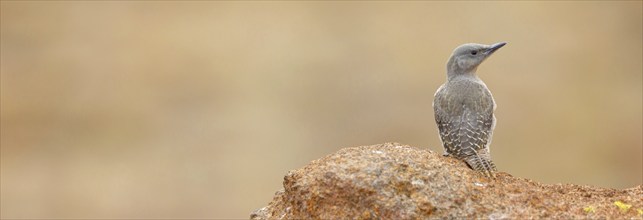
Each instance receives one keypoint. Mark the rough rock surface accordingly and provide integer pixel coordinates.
(395, 181)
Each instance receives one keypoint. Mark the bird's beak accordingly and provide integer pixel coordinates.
(494, 47)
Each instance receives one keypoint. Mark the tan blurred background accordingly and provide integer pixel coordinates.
(198, 109)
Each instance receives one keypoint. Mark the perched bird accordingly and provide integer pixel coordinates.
(464, 108)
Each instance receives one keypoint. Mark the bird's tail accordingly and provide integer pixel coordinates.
(482, 164)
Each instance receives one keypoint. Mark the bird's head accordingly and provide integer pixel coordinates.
(466, 58)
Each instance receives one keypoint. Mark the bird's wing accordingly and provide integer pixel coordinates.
(465, 121)
(443, 109)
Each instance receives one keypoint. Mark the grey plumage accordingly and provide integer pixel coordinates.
(464, 108)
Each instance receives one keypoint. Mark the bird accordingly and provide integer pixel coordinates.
(464, 108)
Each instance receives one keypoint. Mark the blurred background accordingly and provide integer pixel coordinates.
(198, 109)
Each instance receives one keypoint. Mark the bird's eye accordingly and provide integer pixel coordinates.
(474, 52)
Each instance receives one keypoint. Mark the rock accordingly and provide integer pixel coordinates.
(395, 181)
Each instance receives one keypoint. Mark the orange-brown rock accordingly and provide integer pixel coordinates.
(395, 181)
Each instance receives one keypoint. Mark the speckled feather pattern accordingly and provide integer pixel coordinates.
(464, 114)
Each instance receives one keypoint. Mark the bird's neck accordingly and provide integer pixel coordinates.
(455, 71)
(452, 75)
